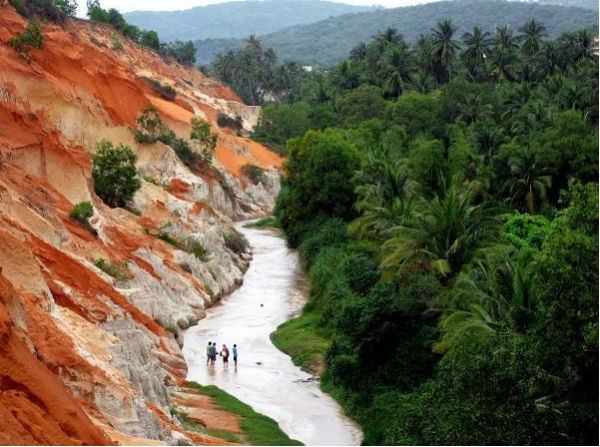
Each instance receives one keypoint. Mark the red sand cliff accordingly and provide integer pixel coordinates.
(62, 320)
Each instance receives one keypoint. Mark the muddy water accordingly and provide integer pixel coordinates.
(266, 378)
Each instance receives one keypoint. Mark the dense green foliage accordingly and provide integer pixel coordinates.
(117, 270)
(82, 211)
(52, 10)
(151, 129)
(328, 42)
(258, 429)
(447, 214)
(253, 72)
(114, 173)
(237, 18)
(27, 40)
(183, 52)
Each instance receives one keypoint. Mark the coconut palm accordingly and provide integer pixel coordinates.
(550, 60)
(359, 52)
(477, 46)
(531, 35)
(504, 40)
(443, 235)
(444, 50)
(494, 291)
(500, 65)
(424, 51)
(397, 69)
(383, 194)
(528, 187)
(473, 108)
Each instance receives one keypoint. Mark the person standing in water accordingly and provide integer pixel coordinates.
(225, 355)
(235, 354)
(208, 353)
(213, 353)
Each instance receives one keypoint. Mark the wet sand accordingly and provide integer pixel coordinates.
(266, 378)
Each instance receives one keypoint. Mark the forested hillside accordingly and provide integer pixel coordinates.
(444, 199)
(237, 19)
(329, 41)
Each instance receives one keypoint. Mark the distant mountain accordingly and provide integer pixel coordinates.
(330, 40)
(586, 4)
(237, 19)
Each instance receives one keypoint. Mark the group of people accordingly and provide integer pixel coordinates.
(212, 352)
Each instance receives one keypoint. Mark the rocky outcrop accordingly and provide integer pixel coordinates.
(86, 357)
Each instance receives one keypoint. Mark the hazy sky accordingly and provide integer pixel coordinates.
(161, 5)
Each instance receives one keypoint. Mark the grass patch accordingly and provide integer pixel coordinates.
(258, 429)
(267, 222)
(304, 340)
(117, 270)
(190, 425)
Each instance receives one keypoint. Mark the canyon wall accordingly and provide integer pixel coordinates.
(86, 357)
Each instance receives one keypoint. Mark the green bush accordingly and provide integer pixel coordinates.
(114, 173)
(317, 181)
(82, 211)
(114, 269)
(52, 10)
(236, 242)
(68, 7)
(150, 126)
(28, 40)
(182, 52)
(166, 91)
(116, 42)
(202, 135)
(224, 120)
(196, 248)
(255, 173)
(20, 7)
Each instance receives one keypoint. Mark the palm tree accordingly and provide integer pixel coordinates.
(359, 52)
(444, 50)
(477, 46)
(550, 61)
(500, 65)
(424, 51)
(383, 195)
(495, 291)
(443, 235)
(530, 181)
(346, 76)
(422, 83)
(387, 36)
(397, 69)
(532, 34)
(488, 138)
(473, 108)
(585, 45)
(504, 40)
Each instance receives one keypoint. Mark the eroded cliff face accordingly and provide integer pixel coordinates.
(86, 358)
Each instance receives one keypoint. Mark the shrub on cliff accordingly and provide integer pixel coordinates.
(115, 177)
(29, 39)
(205, 139)
(236, 242)
(150, 127)
(53, 10)
(82, 211)
(182, 52)
(166, 91)
(255, 173)
(224, 120)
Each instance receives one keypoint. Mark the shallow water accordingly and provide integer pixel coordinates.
(266, 378)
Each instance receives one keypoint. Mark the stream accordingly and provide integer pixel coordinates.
(265, 378)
